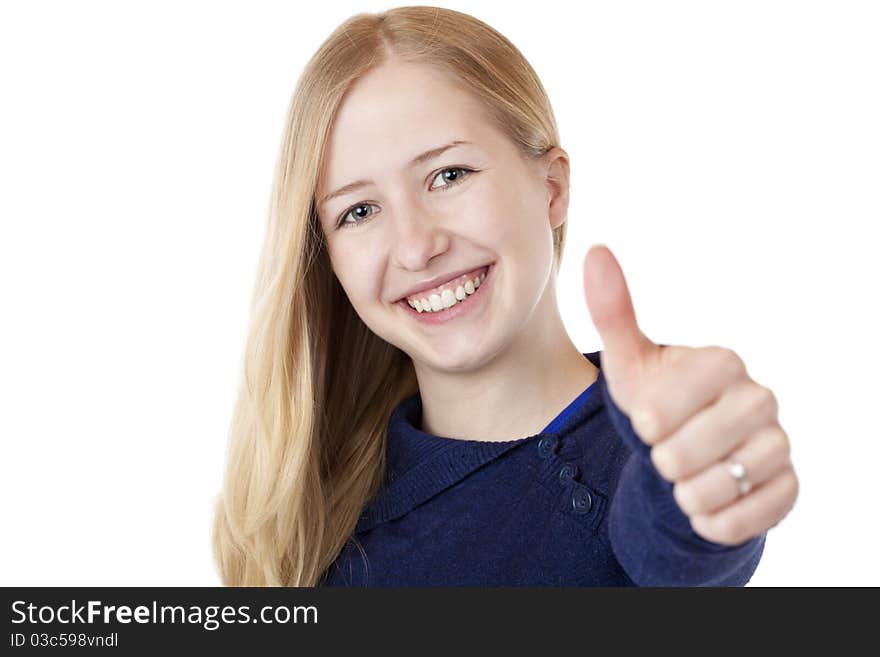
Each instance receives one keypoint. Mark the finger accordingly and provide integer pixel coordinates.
(611, 309)
(682, 388)
(716, 430)
(763, 456)
(752, 514)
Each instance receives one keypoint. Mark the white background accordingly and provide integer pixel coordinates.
(727, 152)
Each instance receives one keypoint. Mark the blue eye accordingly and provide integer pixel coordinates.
(461, 174)
(342, 223)
(449, 183)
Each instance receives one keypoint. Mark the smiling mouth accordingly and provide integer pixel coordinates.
(457, 288)
(440, 308)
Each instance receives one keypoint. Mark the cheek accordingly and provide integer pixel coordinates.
(494, 213)
(511, 212)
(359, 276)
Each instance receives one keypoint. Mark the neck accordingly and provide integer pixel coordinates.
(514, 394)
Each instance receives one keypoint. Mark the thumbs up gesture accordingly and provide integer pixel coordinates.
(713, 431)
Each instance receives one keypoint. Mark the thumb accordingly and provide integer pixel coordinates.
(611, 308)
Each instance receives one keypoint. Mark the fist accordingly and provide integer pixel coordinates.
(713, 431)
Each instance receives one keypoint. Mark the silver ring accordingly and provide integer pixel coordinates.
(738, 471)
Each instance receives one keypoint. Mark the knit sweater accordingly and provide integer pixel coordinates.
(579, 504)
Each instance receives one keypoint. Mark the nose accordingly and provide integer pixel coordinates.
(417, 236)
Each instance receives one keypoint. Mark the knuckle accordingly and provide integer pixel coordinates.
(785, 493)
(668, 461)
(645, 420)
(689, 499)
(779, 442)
(767, 399)
(789, 490)
(729, 360)
(792, 484)
(731, 528)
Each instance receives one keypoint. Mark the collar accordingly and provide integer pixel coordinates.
(420, 464)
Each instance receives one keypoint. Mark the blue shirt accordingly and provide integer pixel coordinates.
(579, 504)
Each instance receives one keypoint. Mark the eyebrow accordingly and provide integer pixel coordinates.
(419, 159)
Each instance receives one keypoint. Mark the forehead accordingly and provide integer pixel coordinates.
(395, 112)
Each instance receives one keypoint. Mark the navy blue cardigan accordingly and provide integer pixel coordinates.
(579, 504)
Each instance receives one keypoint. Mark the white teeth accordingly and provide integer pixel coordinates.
(448, 298)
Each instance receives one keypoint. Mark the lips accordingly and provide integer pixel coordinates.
(471, 306)
(438, 282)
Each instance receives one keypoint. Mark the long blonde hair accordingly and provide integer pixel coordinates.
(307, 437)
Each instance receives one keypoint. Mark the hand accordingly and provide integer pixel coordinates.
(696, 407)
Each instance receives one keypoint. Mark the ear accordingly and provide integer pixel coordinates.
(555, 169)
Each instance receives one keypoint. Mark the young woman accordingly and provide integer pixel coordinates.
(412, 410)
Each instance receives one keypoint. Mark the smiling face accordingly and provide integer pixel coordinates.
(475, 203)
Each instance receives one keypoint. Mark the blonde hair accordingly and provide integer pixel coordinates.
(307, 437)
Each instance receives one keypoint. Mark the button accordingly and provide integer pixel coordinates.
(581, 500)
(546, 446)
(567, 473)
